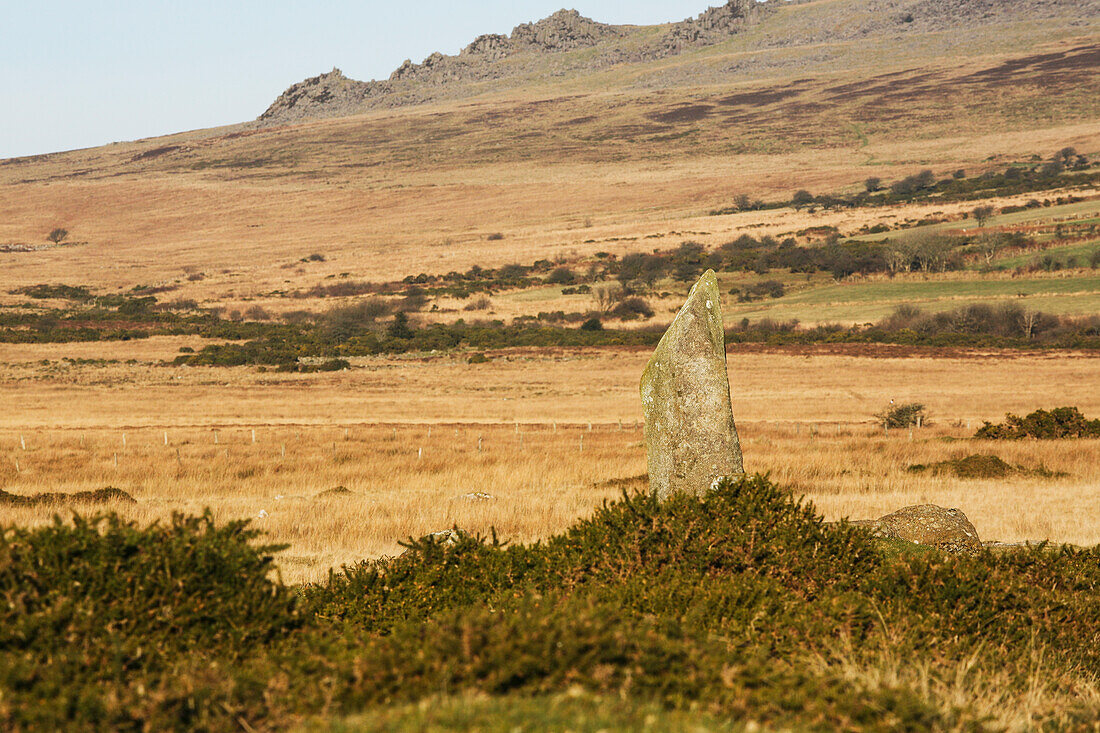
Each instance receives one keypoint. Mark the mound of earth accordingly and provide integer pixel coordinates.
(335, 491)
(98, 496)
(981, 465)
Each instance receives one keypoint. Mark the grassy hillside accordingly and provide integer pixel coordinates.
(620, 159)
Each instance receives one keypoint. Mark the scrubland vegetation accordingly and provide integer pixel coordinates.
(741, 606)
(430, 319)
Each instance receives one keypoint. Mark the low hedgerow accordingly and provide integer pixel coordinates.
(1061, 422)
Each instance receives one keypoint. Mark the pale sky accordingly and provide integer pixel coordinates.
(76, 74)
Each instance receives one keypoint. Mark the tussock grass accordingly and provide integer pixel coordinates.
(804, 416)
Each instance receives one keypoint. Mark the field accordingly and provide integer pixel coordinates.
(558, 434)
(478, 272)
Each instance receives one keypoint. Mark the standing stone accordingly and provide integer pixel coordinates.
(691, 440)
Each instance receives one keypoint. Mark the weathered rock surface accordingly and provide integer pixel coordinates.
(711, 26)
(562, 31)
(927, 524)
(327, 95)
(691, 439)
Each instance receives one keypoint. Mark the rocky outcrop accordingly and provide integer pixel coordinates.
(712, 26)
(491, 57)
(565, 30)
(569, 45)
(489, 47)
(327, 95)
(927, 524)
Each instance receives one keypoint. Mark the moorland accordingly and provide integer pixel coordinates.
(427, 307)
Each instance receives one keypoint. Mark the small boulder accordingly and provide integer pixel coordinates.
(447, 536)
(927, 524)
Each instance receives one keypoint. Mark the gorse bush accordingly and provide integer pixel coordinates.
(1061, 422)
(90, 610)
(903, 416)
(734, 601)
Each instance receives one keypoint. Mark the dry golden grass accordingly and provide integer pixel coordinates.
(803, 416)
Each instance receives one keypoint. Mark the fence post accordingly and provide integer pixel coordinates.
(253, 436)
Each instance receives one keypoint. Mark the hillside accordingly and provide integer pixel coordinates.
(564, 159)
(567, 44)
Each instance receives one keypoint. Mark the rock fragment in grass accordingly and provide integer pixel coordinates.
(927, 524)
(691, 439)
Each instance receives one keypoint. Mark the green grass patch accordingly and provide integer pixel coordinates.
(579, 713)
(1081, 252)
(858, 302)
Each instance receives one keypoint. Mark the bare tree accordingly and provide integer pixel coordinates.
(606, 296)
(932, 252)
(989, 245)
(1030, 320)
(57, 236)
(983, 213)
(899, 256)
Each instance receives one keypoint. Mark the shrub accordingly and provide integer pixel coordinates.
(982, 214)
(495, 237)
(478, 358)
(741, 600)
(1061, 422)
(631, 308)
(57, 236)
(64, 292)
(561, 276)
(903, 416)
(592, 324)
(105, 605)
(254, 313)
(400, 328)
(478, 304)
